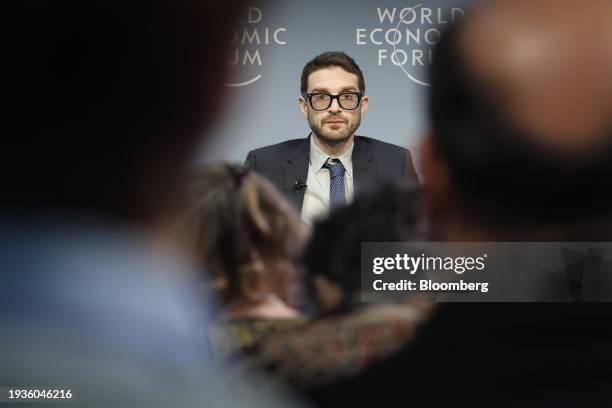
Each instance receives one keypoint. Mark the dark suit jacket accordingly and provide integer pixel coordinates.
(286, 164)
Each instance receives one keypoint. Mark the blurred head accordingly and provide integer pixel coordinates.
(110, 99)
(332, 258)
(333, 120)
(521, 121)
(246, 233)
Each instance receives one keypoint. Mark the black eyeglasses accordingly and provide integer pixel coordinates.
(346, 100)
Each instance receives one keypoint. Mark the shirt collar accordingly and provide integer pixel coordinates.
(318, 157)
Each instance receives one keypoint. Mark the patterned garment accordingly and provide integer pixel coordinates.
(340, 346)
(237, 337)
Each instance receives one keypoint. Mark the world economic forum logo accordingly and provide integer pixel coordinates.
(248, 41)
(405, 37)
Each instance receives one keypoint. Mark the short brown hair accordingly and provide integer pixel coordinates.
(331, 59)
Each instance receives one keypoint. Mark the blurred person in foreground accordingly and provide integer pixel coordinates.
(108, 102)
(520, 150)
(347, 336)
(247, 236)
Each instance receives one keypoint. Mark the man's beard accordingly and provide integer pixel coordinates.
(334, 137)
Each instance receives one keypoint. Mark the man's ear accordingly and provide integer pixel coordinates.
(437, 189)
(364, 104)
(303, 107)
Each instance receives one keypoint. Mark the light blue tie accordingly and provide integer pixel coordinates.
(336, 183)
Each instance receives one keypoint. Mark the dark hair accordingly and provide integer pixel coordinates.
(110, 99)
(497, 170)
(237, 217)
(331, 59)
(388, 214)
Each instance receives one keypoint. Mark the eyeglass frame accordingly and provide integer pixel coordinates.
(308, 96)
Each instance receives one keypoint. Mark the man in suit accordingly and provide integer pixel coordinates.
(520, 150)
(326, 168)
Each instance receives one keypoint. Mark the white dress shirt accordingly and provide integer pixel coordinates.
(316, 196)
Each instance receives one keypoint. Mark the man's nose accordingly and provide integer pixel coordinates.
(335, 105)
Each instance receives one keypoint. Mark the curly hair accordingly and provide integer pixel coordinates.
(388, 214)
(245, 229)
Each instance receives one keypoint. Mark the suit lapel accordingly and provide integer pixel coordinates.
(295, 171)
(364, 166)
